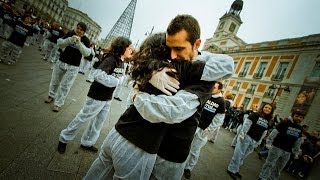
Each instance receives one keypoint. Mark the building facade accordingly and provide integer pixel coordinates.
(284, 72)
(73, 16)
(51, 11)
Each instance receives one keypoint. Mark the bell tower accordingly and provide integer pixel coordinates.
(225, 35)
(230, 22)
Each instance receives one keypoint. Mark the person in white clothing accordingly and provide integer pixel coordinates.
(211, 119)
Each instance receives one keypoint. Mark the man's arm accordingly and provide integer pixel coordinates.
(62, 43)
(217, 121)
(217, 67)
(168, 109)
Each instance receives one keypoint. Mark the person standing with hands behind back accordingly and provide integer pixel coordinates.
(65, 71)
(254, 129)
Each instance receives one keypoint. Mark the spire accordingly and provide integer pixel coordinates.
(123, 25)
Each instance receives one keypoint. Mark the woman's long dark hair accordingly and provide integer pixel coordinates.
(118, 46)
(152, 55)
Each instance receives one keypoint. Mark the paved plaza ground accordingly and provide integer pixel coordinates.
(29, 129)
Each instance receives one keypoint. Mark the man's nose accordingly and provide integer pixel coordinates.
(173, 54)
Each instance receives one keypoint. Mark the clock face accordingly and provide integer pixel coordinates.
(232, 27)
(221, 25)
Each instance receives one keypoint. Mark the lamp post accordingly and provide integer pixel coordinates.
(278, 87)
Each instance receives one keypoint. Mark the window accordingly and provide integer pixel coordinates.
(262, 67)
(245, 69)
(237, 86)
(316, 70)
(252, 89)
(225, 83)
(246, 102)
(282, 68)
(270, 93)
(234, 96)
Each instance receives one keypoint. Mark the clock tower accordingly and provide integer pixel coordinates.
(230, 21)
(225, 34)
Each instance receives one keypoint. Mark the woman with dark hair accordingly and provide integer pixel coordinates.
(254, 129)
(131, 147)
(98, 101)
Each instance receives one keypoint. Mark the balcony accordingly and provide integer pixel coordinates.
(277, 77)
(257, 75)
(235, 88)
(312, 80)
(250, 91)
(242, 74)
(268, 95)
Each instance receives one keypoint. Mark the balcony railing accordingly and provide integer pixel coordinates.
(257, 75)
(277, 77)
(242, 74)
(235, 88)
(250, 91)
(268, 95)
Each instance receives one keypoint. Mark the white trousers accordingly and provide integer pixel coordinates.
(164, 170)
(275, 162)
(63, 76)
(10, 52)
(127, 160)
(84, 65)
(96, 113)
(242, 150)
(200, 139)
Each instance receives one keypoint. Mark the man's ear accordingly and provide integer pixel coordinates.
(197, 43)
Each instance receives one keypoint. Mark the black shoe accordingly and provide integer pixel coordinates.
(232, 175)
(62, 147)
(211, 141)
(117, 98)
(187, 173)
(89, 148)
(238, 175)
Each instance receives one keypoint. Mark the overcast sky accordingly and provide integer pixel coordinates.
(263, 20)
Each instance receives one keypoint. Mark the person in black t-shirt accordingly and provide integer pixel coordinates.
(254, 129)
(51, 47)
(284, 139)
(66, 68)
(12, 48)
(211, 119)
(96, 61)
(97, 105)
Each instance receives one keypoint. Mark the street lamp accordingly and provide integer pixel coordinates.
(277, 87)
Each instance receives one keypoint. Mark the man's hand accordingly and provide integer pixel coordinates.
(165, 83)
